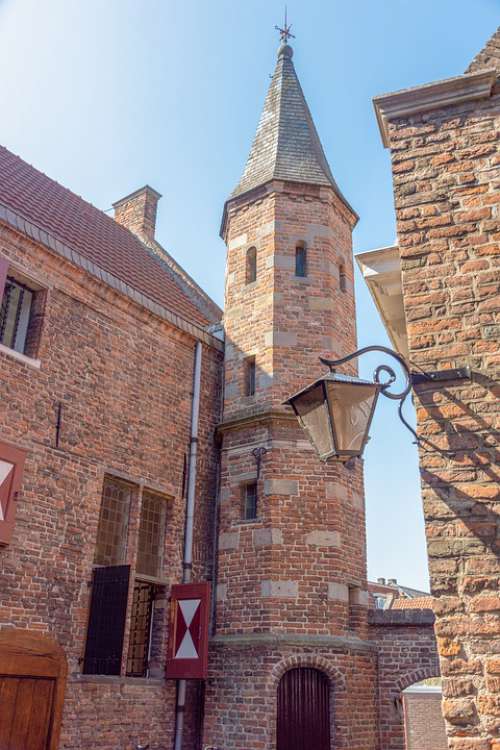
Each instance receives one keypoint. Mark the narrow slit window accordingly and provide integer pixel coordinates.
(354, 592)
(250, 501)
(251, 265)
(300, 260)
(250, 376)
(342, 278)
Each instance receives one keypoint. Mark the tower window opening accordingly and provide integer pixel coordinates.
(301, 260)
(250, 376)
(342, 278)
(249, 501)
(251, 265)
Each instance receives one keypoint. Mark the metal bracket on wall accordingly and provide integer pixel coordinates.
(440, 376)
(258, 454)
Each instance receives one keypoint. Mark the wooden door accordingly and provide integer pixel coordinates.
(303, 710)
(25, 714)
(32, 681)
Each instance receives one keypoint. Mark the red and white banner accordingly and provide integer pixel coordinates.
(11, 472)
(188, 633)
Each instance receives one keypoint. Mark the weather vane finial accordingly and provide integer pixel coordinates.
(285, 32)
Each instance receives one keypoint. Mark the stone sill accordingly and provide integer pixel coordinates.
(35, 363)
(101, 679)
(247, 522)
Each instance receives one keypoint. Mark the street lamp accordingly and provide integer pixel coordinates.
(336, 410)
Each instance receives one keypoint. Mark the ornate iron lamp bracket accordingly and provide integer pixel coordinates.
(410, 380)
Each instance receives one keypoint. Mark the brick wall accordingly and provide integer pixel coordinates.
(445, 170)
(424, 723)
(406, 654)
(124, 379)
(284, 577)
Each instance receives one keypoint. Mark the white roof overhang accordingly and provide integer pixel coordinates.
(381, 270)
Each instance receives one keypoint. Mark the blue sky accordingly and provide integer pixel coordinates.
(107, 95)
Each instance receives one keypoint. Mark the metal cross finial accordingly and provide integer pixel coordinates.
(285, 32)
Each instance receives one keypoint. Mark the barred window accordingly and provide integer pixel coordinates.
(112, 530)
(15, 313)
(151, 534)
(249, 498)
(141, 620)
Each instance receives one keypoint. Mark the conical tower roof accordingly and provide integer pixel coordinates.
(286, 145)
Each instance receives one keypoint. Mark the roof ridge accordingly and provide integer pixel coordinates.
(280, 100)
(189, 285)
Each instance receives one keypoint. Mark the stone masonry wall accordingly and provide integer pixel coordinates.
(241, 698)
(288, 569)
(297, 572)
(406, 654)
(445, 168)
(124, 379)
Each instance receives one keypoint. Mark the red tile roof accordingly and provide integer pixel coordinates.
(87, 230)
(419, 602)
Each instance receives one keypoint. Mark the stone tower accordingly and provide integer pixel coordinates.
(291, 580)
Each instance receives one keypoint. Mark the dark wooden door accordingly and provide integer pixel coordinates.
(26, 707)
(303, 710)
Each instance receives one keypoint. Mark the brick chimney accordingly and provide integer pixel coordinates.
(137, 212)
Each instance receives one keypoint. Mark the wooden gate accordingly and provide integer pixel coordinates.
(303, 710)
(32, 681)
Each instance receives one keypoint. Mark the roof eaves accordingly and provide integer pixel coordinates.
(197, 295)
(428, 96)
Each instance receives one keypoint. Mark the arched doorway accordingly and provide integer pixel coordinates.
(303, 720)
(32, 681)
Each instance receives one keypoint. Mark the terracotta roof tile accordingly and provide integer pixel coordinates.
(420, 602)
(94, 235)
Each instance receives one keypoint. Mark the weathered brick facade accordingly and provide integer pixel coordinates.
(406, 653)
(118, 371)
(445, 163)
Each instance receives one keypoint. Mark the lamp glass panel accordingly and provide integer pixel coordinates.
(352, 407)
(312, 409)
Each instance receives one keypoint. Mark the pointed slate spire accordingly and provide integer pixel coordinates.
(286, 145)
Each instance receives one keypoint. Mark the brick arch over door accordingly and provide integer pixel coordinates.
(338, 698)
(407, 653)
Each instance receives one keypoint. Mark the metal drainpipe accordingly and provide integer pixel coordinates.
(215, 523)
(187, 562)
